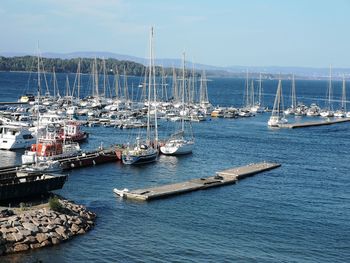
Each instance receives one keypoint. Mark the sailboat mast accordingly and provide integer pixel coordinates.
(96, 78)
(54, 82)
(330, 88)
(343, 97)
(148, 139)
(294, 98)
(260, 89)
(38, 105)
(252, 100)
(247, 90)
(116, 83)
(104, 78)
(78, 79)
(126, 92)
(183, 92)
(155, 96)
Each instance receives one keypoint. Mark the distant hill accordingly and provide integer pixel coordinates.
(236, 71)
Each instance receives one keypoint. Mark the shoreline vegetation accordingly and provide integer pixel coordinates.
(28, 63)
(113, 66)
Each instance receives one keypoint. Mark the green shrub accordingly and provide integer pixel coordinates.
(22, 206)
(55, 204)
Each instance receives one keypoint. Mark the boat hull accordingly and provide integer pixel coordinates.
(20, 187)
(177, 149)
(139, 159)
(13, 145)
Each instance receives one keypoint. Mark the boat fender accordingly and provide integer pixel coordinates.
(72, 165)
(93, 161)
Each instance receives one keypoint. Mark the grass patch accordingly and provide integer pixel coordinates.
(55, 204)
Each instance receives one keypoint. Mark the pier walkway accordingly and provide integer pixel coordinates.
(225, 177)
(314, 123)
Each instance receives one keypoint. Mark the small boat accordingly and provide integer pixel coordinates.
(15, 137)
(22, 184)
(217, 113)
(49, 148)
(26, 98)
(72, 132)
(313, 111)
(50, 166)
(121, 193)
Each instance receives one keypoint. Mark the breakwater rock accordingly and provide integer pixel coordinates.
(43, 226)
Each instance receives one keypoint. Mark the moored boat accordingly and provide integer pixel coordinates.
(23, 184)
(15, 137)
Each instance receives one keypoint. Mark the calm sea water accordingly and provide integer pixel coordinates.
(297, 213)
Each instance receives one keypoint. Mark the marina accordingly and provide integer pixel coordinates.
(222, 178)
(219, 142)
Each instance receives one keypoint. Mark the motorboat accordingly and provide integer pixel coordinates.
(15, 137)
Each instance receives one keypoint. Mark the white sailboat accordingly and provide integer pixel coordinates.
(178, 144)
(292, 109)
(258, 107)
(341, 113)
(328, 111)
(277, 117)
(145, 151)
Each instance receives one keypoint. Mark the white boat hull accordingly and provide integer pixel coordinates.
(9, 144)
(276, 122)
(177, 147)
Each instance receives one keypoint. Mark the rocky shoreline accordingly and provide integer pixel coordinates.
(41, 227)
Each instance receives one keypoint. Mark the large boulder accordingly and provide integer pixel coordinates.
(31, 227)
(24, 232)
(41, 237)
(18, 236)
(20, 247)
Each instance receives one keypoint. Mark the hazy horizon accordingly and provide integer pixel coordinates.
(224, 33)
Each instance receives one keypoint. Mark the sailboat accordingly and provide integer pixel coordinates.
(342, 112)
(277, 117)
(258, 107)
(292, 109)
(246, 110)
(328, 112)
(145, 151)
(177, 144)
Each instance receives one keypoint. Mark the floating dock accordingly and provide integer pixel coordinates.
(313, 124)
(221, 178)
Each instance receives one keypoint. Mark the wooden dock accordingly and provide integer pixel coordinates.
(313, 124)
(221, 178)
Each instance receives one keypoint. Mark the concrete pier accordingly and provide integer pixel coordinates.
(314, 123)
(221, 178)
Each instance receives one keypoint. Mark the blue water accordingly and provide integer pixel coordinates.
(297, 213)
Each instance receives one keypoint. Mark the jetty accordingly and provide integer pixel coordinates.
(313, 123)
(221, 178)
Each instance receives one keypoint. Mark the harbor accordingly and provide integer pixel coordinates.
(221, 178)
(219, 143)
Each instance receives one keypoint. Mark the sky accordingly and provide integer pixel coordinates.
(306, 33)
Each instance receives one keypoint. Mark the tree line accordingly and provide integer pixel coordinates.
(112, 66)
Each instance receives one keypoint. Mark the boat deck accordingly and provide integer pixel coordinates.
(313, 124)
(221, 178)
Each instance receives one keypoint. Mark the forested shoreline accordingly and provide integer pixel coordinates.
(112, 66)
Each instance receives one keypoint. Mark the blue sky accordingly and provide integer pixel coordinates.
(233, 32)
